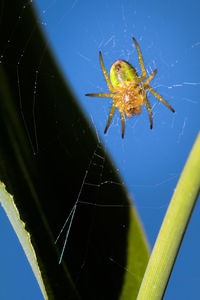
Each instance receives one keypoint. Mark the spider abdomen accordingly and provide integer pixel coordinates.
(122, 73)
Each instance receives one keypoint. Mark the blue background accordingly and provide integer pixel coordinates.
(150, 161)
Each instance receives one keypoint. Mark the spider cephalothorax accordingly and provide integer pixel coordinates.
(127, 89)
(128, 99)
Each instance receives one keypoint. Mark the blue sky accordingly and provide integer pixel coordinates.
(150, 161)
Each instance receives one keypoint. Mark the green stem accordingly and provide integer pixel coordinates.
(173, 228)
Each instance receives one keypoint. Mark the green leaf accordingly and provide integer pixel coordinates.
(24, 237)
(48, 155)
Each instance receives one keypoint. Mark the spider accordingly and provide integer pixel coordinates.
(127, 90)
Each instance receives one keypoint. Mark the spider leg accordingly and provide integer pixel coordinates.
(150, 77)
(150, 112)
(123, 123)
(100, 95)
(111, 88)
(112, 110)
(144, 75)
(158, 97)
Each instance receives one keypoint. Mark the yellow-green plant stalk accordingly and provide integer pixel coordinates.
(173, 228)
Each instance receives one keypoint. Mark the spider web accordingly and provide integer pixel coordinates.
(140, 147)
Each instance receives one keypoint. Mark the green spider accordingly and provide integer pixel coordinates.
(127, 90)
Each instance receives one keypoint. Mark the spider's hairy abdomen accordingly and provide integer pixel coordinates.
(122, 73)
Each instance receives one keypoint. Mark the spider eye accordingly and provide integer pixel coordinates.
(130, 111)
